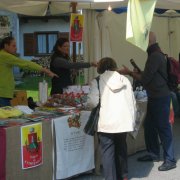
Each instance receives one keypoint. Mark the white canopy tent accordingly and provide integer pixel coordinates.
(105, 32)
(105, 35)
(40, 7)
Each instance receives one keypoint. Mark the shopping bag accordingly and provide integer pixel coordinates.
(91, 125)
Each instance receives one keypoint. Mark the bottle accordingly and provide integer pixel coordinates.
(43, 91)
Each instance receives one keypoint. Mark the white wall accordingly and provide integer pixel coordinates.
(167, 30)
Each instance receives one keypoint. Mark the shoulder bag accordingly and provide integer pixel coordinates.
(91, 125)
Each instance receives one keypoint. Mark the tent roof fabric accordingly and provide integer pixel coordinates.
(124, 9)
(40, 7)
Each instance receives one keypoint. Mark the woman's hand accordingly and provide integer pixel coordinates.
(49, 73)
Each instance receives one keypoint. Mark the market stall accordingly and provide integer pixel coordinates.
(51, 138)
(67, 150)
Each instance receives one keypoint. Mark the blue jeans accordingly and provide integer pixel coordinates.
(157, 123)
(5, 101)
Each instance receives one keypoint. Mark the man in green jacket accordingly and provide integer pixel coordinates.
(7, 61)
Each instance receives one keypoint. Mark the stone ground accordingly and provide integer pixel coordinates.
(147, 170)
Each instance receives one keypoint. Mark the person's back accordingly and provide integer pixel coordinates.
(116, 118)
(117, 103)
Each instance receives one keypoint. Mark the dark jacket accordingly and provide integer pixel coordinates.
(61, 65)
(155, 70)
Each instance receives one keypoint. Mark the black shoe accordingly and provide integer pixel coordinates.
(147, 158)
(167, 165)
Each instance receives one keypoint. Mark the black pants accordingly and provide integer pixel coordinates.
(114, 155)
(4, 101)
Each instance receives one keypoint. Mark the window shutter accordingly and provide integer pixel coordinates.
(28, 44)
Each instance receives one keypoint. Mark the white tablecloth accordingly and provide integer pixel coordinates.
(74, 150)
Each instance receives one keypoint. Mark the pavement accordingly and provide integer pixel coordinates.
(147, 170)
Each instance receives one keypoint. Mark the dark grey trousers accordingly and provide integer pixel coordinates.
(114, 155)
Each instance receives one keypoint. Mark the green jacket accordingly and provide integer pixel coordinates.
(7, 62)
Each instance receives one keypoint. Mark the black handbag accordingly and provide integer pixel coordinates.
(91, 125)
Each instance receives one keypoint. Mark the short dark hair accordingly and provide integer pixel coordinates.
(6, 40)
(60, 43)
(106, 63)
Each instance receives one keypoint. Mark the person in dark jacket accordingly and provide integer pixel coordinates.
(62, 66)
(156, 123)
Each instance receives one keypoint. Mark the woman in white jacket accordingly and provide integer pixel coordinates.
(116, 117)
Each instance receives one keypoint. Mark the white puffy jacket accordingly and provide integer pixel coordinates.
(118, 105)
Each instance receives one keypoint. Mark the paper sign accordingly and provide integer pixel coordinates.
(76, 27)
(31, 145)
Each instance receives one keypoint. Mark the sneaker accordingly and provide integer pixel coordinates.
(167, 165)
(147, 158)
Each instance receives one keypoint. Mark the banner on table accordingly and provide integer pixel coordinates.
(74, 149)
(76, 27)
(31, 145)
(139, 19)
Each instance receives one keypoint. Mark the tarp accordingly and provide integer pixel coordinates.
(40, 7)
(138, 24)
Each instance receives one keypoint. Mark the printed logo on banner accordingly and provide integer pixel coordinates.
(76, 27)
(31, 145)
(74, 121)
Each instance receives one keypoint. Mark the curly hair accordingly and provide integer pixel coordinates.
(105, 64)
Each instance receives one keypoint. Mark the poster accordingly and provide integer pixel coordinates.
(31, 145)
(4, 26)
(76, 27)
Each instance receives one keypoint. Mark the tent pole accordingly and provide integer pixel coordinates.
(73, 5)
(169, 33)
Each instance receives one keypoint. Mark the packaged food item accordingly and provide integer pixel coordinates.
(8, 111)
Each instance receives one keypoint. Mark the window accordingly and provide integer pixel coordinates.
(45, 42)
(41, 43)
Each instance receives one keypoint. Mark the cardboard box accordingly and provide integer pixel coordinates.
(20, 98)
